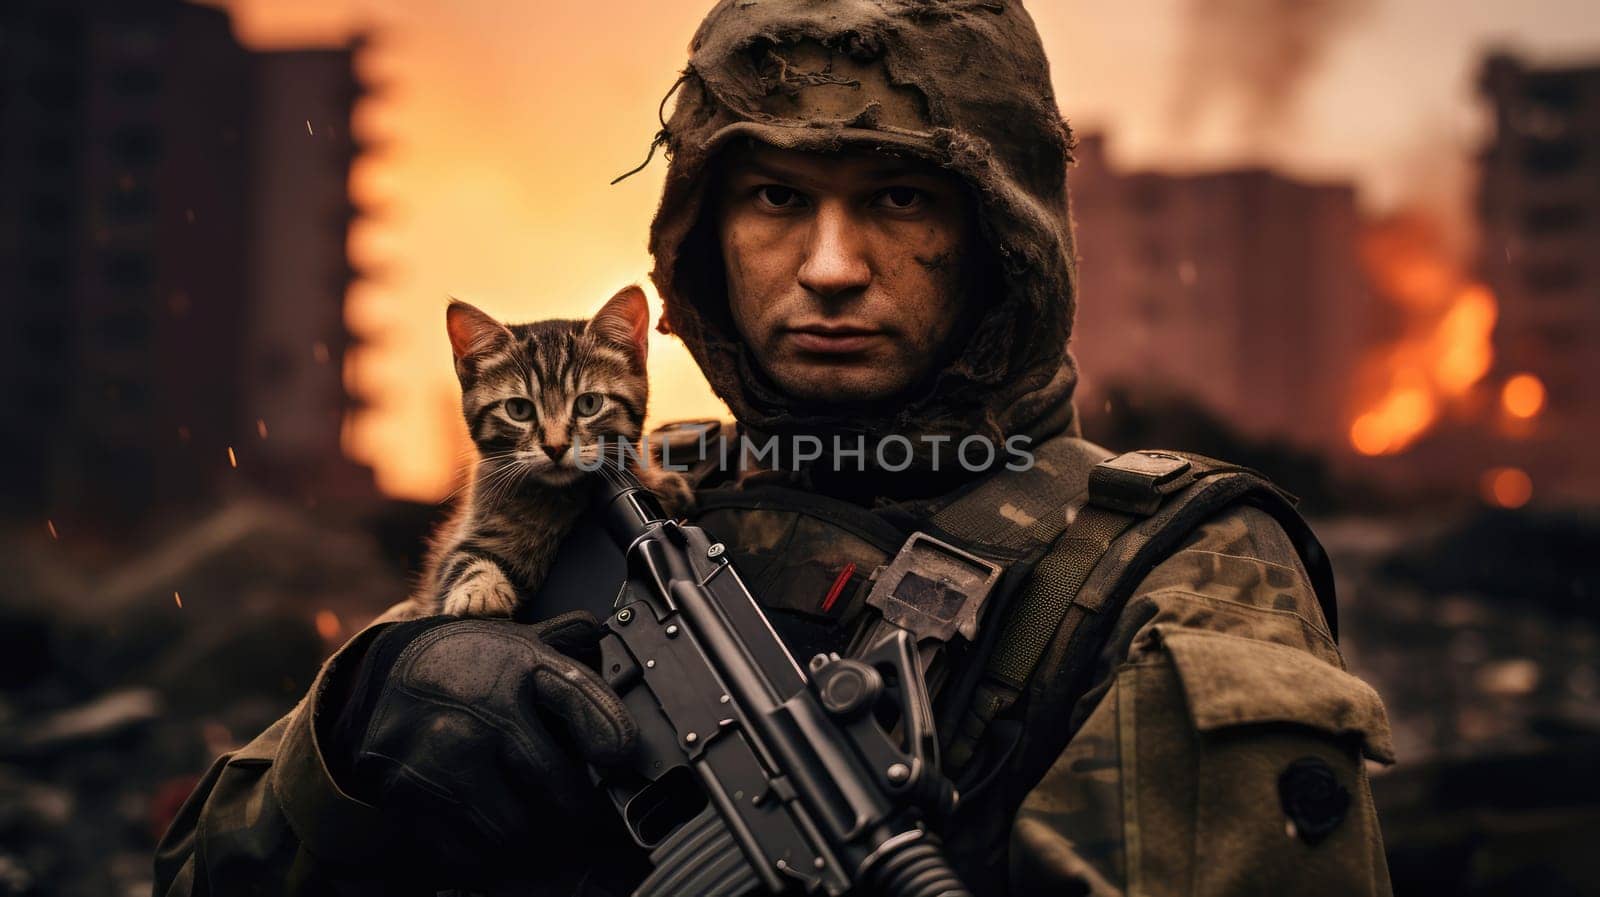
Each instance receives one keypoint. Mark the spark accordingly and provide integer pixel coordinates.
(177, 599)
(261, 428)
(51, 526)
(233, 460)
(308, 128)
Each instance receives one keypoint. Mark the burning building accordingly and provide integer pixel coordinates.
(1539, 202)
(1241, 288)
(175, 261)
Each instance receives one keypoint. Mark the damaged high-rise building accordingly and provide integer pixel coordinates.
(1539, 207)
(174, 212)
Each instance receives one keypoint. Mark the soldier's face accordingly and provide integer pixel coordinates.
(844, 271)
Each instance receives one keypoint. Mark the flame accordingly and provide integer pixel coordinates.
(1444, 350)
(1460, 346)
(1398, 419)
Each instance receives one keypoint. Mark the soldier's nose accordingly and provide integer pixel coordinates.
(835, 264)
(554, 451)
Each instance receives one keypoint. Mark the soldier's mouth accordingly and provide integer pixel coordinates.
(833, 339)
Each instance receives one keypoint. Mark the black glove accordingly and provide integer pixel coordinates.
(471, 736)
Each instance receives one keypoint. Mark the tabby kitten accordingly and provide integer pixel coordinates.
(530, 392)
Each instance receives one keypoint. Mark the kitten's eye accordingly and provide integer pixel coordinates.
(777, 196)
(588, 403)
(902, 199)
(519, 409)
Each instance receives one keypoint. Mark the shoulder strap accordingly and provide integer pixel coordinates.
(1019, 509)
(1136, 510)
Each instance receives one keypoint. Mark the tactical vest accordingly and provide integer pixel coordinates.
(1016, 578)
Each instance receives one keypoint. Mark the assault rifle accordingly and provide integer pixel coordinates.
(751, 771)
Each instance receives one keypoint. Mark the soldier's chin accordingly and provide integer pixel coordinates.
(844, 383)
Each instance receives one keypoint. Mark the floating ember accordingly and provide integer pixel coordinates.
(1506, 487)
(328, 625)
(1523, 396)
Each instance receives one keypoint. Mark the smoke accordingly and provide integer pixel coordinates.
(1252, 57)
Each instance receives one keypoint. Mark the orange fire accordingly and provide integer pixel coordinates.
(1444, 350)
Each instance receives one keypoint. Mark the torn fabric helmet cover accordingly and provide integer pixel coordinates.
(962, 84)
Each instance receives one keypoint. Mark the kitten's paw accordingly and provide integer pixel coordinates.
(482, 591)
(671, 487)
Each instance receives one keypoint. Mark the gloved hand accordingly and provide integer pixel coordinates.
(472, 735)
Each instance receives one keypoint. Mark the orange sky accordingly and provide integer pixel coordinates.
(499, 125)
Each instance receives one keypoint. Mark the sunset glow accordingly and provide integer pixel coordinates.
(494, 131)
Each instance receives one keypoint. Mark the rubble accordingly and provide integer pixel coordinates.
(106, 717)
(113, 699)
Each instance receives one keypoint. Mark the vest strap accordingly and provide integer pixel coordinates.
(1047, 610)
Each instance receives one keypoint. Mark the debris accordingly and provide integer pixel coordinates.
(103, 718)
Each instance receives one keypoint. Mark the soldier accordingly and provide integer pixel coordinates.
(864, 239)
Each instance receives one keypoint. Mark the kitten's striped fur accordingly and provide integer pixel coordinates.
(520, 393)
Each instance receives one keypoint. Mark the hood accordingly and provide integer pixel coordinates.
(963, 84)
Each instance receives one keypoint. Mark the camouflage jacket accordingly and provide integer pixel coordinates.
(1222, 751)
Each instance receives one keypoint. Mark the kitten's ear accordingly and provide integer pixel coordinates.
(473, 333)
(625, 321)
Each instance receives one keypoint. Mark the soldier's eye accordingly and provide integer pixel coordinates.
(519, 409)
(902, 198)
(588, 403)
(777, 196)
